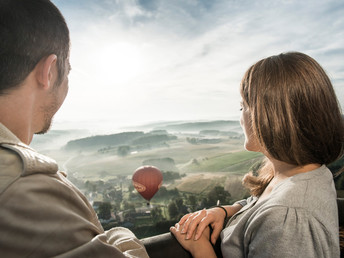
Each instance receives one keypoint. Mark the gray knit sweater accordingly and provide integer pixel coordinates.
(298, 219)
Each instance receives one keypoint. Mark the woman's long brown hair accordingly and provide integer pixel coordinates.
(294, 112)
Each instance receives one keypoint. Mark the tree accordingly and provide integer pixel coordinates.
(174, 192)
(180, 205)
(128, 205)
(90, 186)
(123, 150)
(131, 188)
(162, 193)
(170, 176)
(173, 210)
(177, 208)
(192, 201)
(156, 214)
(104, 210)
(218, 193)
(204, 203)
(115, 195)
(191, 140)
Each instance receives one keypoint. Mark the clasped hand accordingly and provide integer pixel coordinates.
(193, 224)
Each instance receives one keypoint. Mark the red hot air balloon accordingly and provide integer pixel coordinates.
(147, 180)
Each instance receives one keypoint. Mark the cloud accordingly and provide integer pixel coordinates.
(150, 60)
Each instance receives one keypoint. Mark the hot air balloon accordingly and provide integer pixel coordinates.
(147, 180)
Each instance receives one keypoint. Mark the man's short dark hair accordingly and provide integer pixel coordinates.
(29, 31)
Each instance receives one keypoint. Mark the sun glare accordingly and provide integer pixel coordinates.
(117, 63)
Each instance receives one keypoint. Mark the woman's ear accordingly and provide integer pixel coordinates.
(47, 71)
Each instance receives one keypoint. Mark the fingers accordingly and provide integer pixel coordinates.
(197, 222)
(185, 221)
(176, 231)
(184, 218)
(215, 234)
(192, 224)
(201, 226)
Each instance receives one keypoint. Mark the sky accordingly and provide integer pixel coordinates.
(141, 61)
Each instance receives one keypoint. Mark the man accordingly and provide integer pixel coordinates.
(41, 213)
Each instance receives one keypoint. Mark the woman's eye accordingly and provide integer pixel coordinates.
(241, 108)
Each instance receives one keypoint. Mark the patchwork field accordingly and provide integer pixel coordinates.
(222, 160)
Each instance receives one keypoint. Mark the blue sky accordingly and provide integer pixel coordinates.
(138, 61)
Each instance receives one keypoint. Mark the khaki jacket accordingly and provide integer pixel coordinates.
(42, 214)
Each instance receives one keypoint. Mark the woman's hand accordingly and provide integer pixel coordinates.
(198, 221)
(201, 248)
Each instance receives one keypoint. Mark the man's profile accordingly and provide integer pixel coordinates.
(42, 214)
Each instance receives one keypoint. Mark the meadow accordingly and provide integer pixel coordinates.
(207, 162)
(206, 154)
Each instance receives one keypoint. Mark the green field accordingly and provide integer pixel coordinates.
(225, 156)
(236, 162)
(105, 176)
(205, 165)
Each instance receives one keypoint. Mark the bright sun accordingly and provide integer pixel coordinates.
(116, 63)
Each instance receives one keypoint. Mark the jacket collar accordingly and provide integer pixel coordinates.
(33, 162)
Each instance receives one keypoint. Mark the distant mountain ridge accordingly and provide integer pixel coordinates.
(159, 134)
(221, 125)
(103, 140)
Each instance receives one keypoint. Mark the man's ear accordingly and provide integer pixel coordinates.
(47, 71)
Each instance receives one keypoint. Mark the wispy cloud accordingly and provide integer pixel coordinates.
(144, 60)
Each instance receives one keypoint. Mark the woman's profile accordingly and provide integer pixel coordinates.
(290, 113)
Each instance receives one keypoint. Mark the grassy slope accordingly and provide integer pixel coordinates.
(237, 162)
(91, 165)
(225, 170)
(217, 164)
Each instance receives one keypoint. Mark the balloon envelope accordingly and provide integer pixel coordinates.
(147, 180)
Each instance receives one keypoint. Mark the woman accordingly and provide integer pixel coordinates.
(290, 113)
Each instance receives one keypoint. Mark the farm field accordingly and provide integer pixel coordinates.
(202, 162)
(203, 165)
